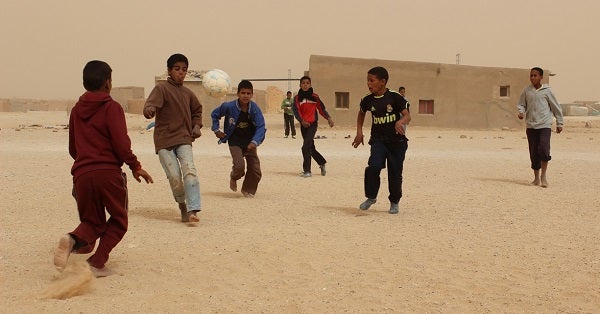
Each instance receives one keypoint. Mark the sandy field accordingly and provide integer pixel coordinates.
(472, 235)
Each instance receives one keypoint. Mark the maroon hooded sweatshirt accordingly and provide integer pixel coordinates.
(98, 137)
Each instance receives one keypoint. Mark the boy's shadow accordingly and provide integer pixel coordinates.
(229, 194)
(351, 211)
(155, 213)
(165, 214)
(287, 173)
(513, 181)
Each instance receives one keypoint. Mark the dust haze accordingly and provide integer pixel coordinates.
(46, 44)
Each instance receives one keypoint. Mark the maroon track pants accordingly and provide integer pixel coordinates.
(96, 193)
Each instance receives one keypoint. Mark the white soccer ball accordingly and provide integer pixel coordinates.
(216, 83)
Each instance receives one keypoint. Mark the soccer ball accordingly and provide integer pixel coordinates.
(216, 82)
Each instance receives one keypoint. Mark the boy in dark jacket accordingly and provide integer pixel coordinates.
(307, 107)
(99, 144)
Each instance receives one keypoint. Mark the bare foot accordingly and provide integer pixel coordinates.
(544, 182)
(536, 181)
(62, 252)
(183, 210)
(102, 272)
(233, 185)
(192, 217)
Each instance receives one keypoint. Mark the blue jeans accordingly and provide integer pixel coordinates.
(394, 155)
(178, 164)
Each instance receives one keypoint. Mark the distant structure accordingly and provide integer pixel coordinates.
(441, 95)
(128, 96)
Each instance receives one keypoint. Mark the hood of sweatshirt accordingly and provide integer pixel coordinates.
(91, 102)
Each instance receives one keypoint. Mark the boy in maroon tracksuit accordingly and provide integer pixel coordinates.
(99, 144)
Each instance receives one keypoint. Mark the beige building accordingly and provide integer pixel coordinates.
(441, 95)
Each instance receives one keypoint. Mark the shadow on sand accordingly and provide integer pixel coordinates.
(513, 181)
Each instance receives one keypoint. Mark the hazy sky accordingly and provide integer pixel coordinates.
(45, 44)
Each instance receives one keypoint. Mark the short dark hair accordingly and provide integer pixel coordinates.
(380, 73)
(288, 92)
(95, 74)
(245, 84)
(176, 58)
(539, 70)
(401, 88)
(306, 77)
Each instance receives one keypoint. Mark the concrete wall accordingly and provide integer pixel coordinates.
(123, 94)
(274, 97)
(464, 96)
(25, 104)
(5, 105)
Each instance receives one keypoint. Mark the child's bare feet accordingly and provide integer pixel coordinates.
(233, 185)
(62, 252)
(536, 177)
(183, 210)
(102, 272)
(544, 183)
(191, 216)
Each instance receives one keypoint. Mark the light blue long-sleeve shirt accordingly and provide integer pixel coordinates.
(540, 106)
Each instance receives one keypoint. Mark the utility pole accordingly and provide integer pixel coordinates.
(458, 58)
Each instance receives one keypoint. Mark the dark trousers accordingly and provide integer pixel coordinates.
(288, 121)
(252, 173)
(539, 146)
(394, 155)
(96, 193)
(308, 147)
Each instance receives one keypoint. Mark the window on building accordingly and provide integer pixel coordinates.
(342, 100)
(505, 91)
(425, 106)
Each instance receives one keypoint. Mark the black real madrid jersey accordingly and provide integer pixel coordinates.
(385, 111)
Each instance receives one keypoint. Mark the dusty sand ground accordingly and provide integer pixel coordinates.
(471, 236)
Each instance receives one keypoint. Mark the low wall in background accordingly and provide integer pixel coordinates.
(24, 105)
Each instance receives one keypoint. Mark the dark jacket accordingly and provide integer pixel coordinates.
(231, 111)
(306, 109)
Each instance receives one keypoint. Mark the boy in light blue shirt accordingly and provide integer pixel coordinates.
(539, 106)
